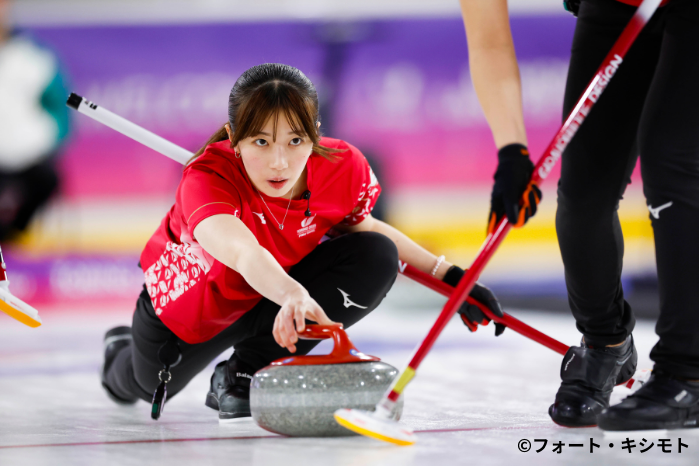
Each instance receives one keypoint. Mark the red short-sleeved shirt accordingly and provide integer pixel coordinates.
(197, 296)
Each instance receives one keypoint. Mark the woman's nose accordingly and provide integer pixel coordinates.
(279, 160)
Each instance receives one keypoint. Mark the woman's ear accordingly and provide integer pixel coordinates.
(228, 131)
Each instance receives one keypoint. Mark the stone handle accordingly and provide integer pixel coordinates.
(343, 349)
(322, 332)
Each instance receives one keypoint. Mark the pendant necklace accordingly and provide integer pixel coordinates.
(281, 225)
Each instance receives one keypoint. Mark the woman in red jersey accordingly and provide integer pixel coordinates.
(242, 259)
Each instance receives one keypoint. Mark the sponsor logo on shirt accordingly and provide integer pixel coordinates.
(307, 221)
(307, 226)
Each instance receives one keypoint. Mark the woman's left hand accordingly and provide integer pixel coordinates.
(470, 313)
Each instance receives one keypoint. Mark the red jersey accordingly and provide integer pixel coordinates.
(197, 296)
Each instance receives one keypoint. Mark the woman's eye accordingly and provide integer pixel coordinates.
(296, 141)
(260, 142)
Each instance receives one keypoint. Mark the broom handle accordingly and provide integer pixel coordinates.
(507, 319)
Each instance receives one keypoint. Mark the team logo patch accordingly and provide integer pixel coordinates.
(307, 226)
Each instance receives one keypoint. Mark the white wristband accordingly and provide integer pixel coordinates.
(439, 262)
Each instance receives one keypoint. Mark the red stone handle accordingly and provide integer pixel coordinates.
(343, 350)
(322, 332)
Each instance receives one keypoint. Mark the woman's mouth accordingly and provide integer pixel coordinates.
(277, 183)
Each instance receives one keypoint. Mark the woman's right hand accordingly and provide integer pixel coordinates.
(296, 308)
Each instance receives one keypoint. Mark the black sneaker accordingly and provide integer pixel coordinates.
(115, 340)
(588, 376)
(664, 402)
(229, 392)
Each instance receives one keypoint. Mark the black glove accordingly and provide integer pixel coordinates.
(470, 313)
(511, 183)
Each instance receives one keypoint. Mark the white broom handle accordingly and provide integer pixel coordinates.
(129, 129)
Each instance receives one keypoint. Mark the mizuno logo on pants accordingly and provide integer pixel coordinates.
(346, 301)
(655, 210)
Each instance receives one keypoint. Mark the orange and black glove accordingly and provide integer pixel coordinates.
(470, 313)
(511, 184)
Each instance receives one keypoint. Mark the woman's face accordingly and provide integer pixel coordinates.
(275, 164)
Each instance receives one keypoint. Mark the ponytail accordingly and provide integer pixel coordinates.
(220, 135)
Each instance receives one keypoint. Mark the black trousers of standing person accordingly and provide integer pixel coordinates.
(23, 193)
(363, 265)
(650, 109)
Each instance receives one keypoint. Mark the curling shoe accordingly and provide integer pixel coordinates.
(664, 402)
(115, 340)
(229, 392)
(588, 376)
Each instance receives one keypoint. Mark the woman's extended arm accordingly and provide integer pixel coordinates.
(409, 251)
(230, 242)
(494, 68)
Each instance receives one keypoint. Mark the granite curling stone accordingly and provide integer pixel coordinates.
(297, 396)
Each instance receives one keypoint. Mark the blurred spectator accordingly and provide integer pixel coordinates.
(34, 122)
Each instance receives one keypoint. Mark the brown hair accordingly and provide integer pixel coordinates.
(266, 90)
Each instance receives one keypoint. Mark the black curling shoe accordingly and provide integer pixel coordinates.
(115, 340)
(664, 402)
(229, 392)
(588, 376)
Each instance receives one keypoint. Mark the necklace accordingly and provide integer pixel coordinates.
(281, 225)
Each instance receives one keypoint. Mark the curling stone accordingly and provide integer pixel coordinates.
(297, 396)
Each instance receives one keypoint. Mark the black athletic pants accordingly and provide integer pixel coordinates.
(364, 265)
(23, 193)
(649, 109)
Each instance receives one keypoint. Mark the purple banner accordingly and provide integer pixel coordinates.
(399, 90)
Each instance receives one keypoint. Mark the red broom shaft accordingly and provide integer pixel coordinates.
(507, 319)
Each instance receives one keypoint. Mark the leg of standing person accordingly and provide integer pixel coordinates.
(668, 142)
(596, 169)
(23, 193)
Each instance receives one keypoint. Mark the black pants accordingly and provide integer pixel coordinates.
(364, 265)
(650, 108)
(23, 193)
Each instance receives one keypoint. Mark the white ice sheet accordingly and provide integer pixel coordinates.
(474, 399)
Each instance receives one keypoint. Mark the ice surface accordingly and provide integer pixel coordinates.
(474, 398)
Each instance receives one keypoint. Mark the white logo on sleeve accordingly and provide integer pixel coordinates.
(347, 303)
(655, 210)
(262, 217)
